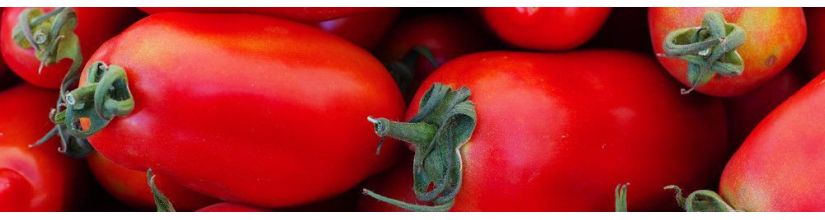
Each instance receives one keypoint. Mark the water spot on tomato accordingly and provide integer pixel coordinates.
(770, 61)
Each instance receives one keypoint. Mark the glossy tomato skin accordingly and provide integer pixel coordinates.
(94, 26)
(780, 165)
(446, 36)
(131, 186)
(280, 106)
(746, 111)
(557, 132)
(33, 179)
(365, 29)
(773, 37)
(545, 28)
(812, 56)
(300, 14)
(229, 207)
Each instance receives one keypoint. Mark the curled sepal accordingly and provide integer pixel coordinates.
(105, 95)
(709, 49)
(161, 202)
(621, 197)
(51, 35)
(403, 71)
(701, 201)
(444, 123)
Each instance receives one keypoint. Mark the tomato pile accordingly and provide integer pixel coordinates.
(412, 109)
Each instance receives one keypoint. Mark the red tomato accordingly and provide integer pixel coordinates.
(229, 207)
(300, 14)
(245, 108)
(812, 56)
(557, 132)
(130, 186)
(545, 28)
(746, 111)
(780, 166)
(446, 36)
(94, 26)
(33, 179)
(773, 37)
(365, 30)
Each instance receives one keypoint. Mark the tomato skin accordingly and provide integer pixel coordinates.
(229, 207)
(300, 14)
(773, 37)
(130, 186)
(365, 30)
(812, 56)
(780, 165)
(94, 26)
(33, 179)
(545, 28)
(746, 111)
(557, 132)
(446, 36)
(286, 139)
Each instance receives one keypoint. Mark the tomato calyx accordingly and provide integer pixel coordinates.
(701, 201)
(444, 123)
(162, 203)
(51, 35)
(621, 197)
(709, 49)
(403, 70)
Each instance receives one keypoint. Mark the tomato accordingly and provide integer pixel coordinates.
(130, 187)
(545, 28)
(557, 132)
(300, 14)
(365, 30)
(245, 108)
(812, 56)
(94, 26)
(39, 178)
(768, 39)
(746, 111)
(229, 207)
(446, 36)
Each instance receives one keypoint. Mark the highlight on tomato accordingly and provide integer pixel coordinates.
(41, 45)
(516, 131)
(33, 178)
(226, 107)
(545, 28)
(726, 51)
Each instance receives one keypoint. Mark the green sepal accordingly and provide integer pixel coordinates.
(620, 194)
(51, 35)
(700, 201)
(162, 203)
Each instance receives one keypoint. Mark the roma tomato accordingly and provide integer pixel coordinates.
(244, 108)
(229, 207)
(129, 186)
(445, 36)
(553, 132)
(39, 178)
(746, 111)
(545, 28)
(751, 45)
(812, 57)
(365, 29)
(300, 14)
(92, 27)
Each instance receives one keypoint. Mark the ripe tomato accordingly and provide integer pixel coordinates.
(245, 108)
(129, 186)
(300, 14)
(772, 38)
(39, 178)
(446, 36)
(746, 111)
(94, 26)
(229, 207)
(812, 56)
(557, 132)
(365, 29)
(545, 28)
(780, 165)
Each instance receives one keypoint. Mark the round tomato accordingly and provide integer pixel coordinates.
(751, 45)
(445, 36)
(553, 132)
(38, 178)
(244, 108)
(129, 186)
(812, 56)
(92, 27)
(545, 28)
(746, 111)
